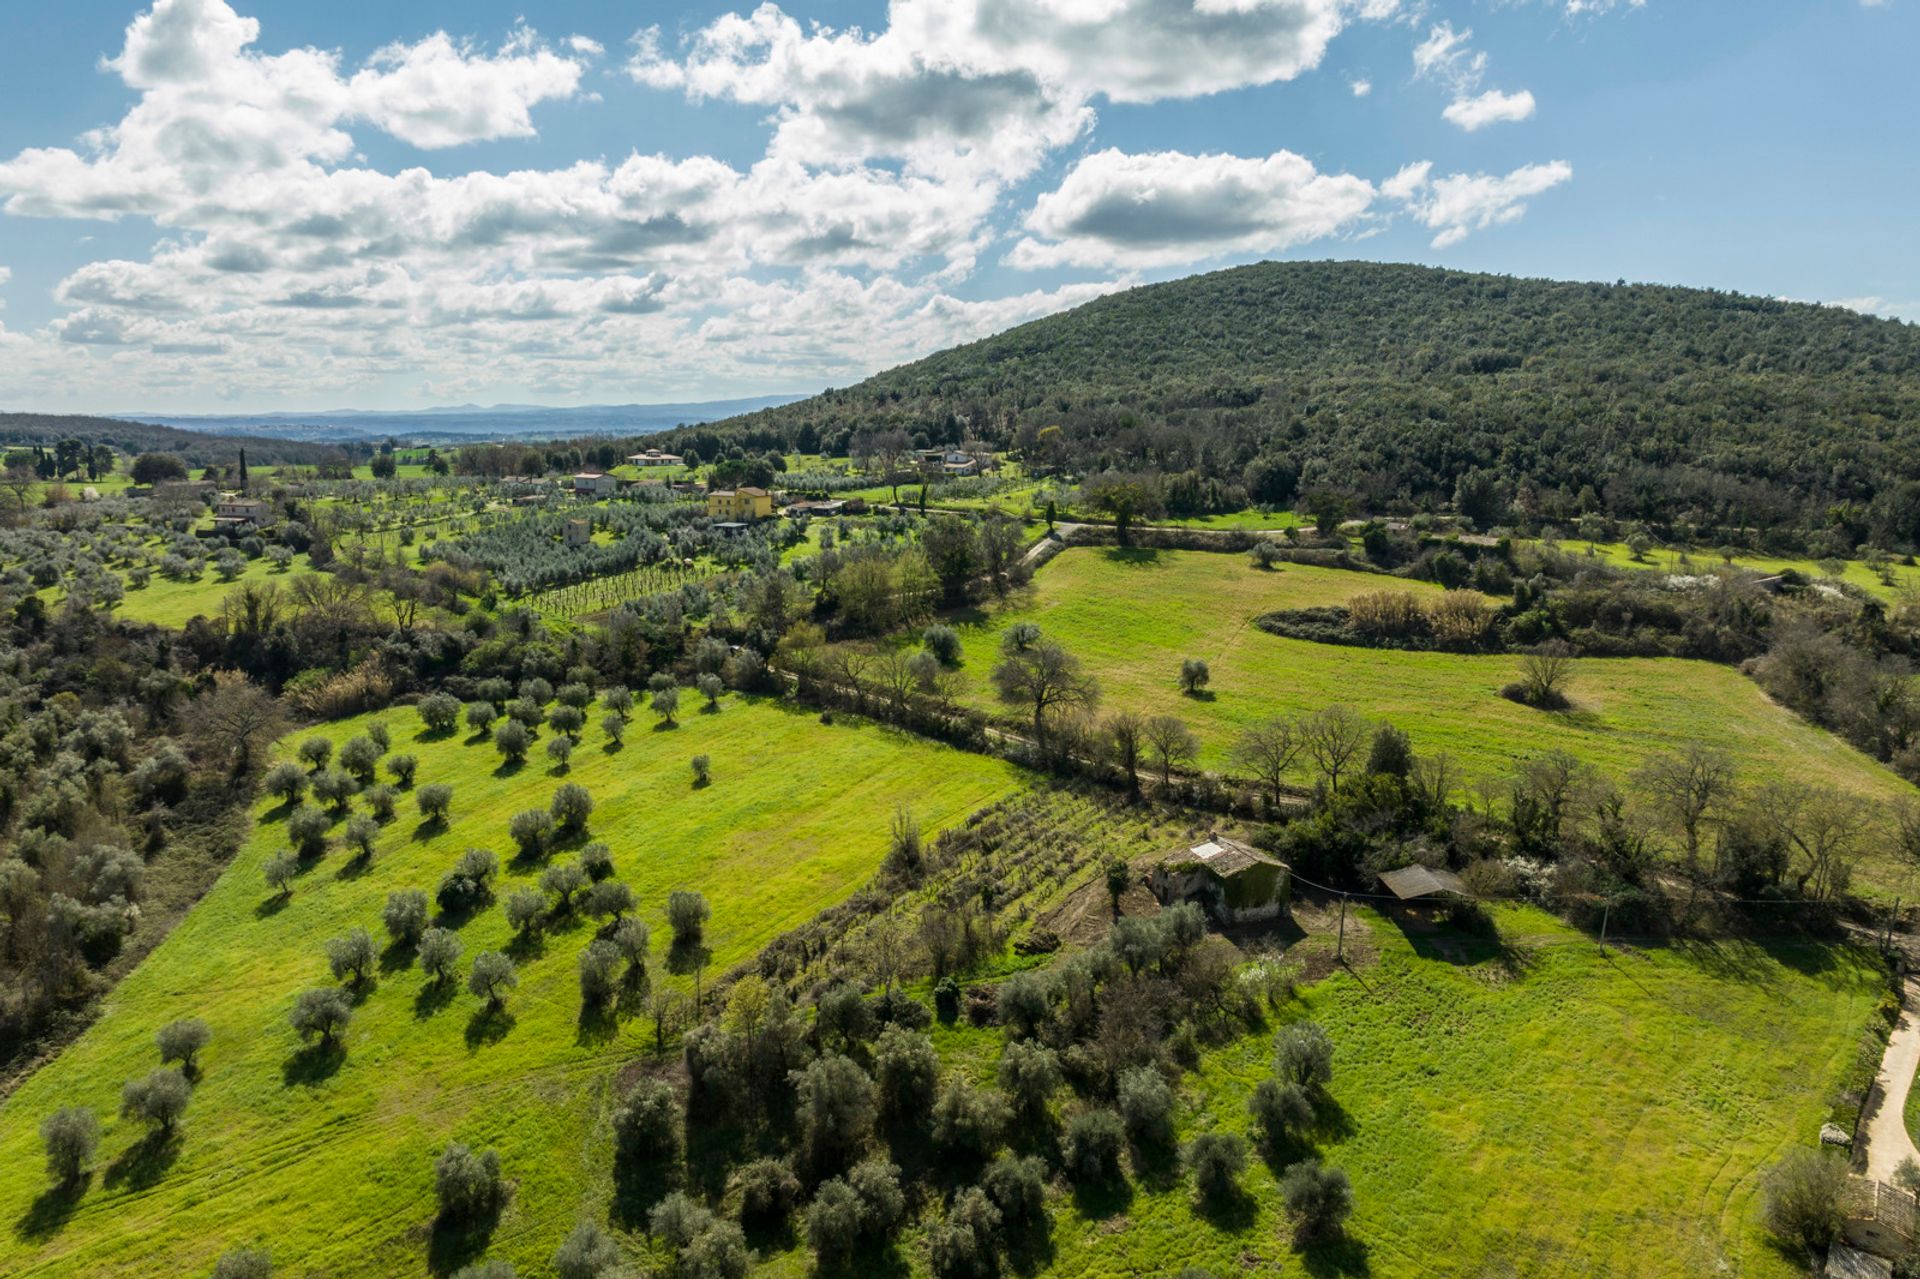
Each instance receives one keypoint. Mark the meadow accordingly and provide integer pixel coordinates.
(1545, 1110)
(1905, 578)
(1132, 617)
(328, 1158)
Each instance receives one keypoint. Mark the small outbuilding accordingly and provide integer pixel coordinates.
(1232, 881)
(1421, 886)
(579, 532)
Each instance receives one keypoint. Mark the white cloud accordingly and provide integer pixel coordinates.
(1167, 208)
(1361, 88)
(440, 94)
(1875, 305)
(1447, 57)
(586, 46)
(1491, 107)
(983, 86)
(1459, 204)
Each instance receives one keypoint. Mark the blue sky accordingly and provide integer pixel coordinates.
(211, 205)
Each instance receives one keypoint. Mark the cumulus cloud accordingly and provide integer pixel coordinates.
(1166, 208)
(1491, 107)
(1361, 88)
(1458, 204)
(986, 85)
(439, 93)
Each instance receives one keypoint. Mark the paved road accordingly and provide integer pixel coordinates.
(1888, 1141)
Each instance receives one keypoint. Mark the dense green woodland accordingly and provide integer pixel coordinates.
(1391, 382)
(193, 447)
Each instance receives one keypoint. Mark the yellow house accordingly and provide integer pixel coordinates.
(746, 503)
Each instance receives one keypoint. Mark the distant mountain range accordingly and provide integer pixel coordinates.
(462, 422)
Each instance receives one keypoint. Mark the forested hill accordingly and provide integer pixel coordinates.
(1392, 381)
(195, 448)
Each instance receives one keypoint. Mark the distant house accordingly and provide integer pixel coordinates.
(1232, 881)
(594, 483)
(745, 503)
(579, 533)
(233, 512)
(949, 463)
(654, 457)
(824, 509)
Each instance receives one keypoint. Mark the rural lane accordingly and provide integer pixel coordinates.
(1888, 1142)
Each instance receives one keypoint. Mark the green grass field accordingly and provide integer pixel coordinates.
(1133, 616)
(1906, 577)
(1563, 1115)
(329, 1162)
(164, 601)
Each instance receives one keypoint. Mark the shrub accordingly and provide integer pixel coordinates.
(946, 999)
(1022, 1003)
(361, 833)
(159, 1098)
(361, 757)
(69, 1135)
(470, 882)
(512, 739)
(1017, 1185)
(492, 977)
(403, 768)
(834, 1221)
(467, 1184)
(905, 1071)
(1318, 1198)
(439, 712)
(587, 1253)
(563, 881)
(1030, 1074)
(280, 871)
(287, 780)
(702, 770)
(1019, 637)
(380, 802)
(962, 1246)
(1194, 675)
(676, 1220)
(1800, 1198)
(943, 642)
(571, 807)
(307, 831)
(532, 830)
(405, 916)
(1216, 1160)
(646, 1125)
(1303, 1055)
(596, 861)
(1280, 1110)
(687, 915)
(1146, 1106)
(245, 1263)
(1092, 1148)
(567, 721)
(439, 953)
(608, 897)
(768, 1190)
(599, 971)
(524, 909)
(350, 956)
(968, 1121)
(835, 1109)
(182, 1040)
(378, 734)
(841, 1014)
(434, 801)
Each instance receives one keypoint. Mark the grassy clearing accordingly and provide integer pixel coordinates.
(330, 1159)
(1550, 1111)
(1132, 616)
(165, 601)
(1906, 577)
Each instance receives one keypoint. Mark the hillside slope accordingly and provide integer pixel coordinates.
(1392, 381)
(196, 448)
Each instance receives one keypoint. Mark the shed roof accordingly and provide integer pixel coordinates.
(1410, 882)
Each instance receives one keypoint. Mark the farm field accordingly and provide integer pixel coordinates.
(1558, 1113)
(329, 1158)
(1132, 616)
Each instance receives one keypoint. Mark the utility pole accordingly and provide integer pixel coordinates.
(1606, 911)
(1342, 956)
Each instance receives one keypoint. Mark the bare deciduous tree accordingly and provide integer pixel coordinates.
(1267, 750)
(1045, 679)
(1334, 737)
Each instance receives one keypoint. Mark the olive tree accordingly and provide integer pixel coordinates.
(405, 916)
(1318, 1198)
(512, 739)
(532, 831)
(439, 712)
(492, 977)
(69, 1136)
(181, 1040)
(439, 954)
(158, 1098)
(466, 1183)
(687, 915)
(571, 807)
(434, 800)
(350, 956)
(323, 1013)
